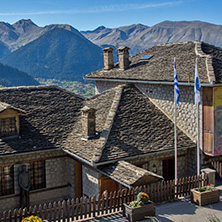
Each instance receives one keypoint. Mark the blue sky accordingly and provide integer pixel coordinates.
(89, 14)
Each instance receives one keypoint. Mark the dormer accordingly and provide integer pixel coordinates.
(9, 120)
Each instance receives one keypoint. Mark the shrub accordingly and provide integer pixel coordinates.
(142, 199)
(207, 188)
(32, 219)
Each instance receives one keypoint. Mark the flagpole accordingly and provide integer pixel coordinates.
(175, 136)
(197, 102)
(198, 141)
(176, 101)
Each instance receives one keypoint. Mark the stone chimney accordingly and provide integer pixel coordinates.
(108, 58)
(123, 54)
(88, 122)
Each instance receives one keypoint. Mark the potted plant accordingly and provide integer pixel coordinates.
(205, 195)
(140, 208)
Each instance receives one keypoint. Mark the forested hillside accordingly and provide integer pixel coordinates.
(13, 77)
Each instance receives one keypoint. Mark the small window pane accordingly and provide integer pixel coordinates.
(37, 174)
(7, 180)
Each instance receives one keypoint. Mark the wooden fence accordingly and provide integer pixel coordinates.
(90, 207)
(217, 165)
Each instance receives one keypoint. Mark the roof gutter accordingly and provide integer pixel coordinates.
(77, 157)
(29, 152)
(148, 82)
(137, 156)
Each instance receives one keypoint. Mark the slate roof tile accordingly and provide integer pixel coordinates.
(138, 127)
(127, 123)
(50, 115)
(127, 173)
(160, 66)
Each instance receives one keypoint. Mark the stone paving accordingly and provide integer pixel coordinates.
(179, 211)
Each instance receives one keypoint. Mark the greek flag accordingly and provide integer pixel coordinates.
(197, 86)
(176, 86)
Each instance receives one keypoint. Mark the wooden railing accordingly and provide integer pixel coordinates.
(90, 207)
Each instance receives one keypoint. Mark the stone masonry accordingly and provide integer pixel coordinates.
(186, 162)
(90, 181)
(59, 180)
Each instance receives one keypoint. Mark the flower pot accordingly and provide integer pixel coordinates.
(206, 197)
(138, 213)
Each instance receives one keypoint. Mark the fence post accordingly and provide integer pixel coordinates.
(35, 210)
(63, 211)
(72, 208)
(54, 211)
(40, 211)
(50, 212)
(68, 210)
(25, 212)
(15, 215)
(86, 208)
(114, 202)
(10, 215)
(20, 214)
(59, 211)
(77, 208)
(45, 211)
(94, 206)
(4, 216)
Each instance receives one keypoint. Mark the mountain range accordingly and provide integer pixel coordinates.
(51, 52)
(62, 52)
(140, 37)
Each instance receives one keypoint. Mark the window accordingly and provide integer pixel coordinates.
(8, 126)
(6, 180)
(37, 174)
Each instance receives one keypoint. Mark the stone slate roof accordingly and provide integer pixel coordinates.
(5, 106)
(160, 66)
(50, 115)
(128, 124)
(128, 174)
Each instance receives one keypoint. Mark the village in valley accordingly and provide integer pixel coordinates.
(147, 146)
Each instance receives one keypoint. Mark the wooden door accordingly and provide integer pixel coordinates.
(168, 169)
(108, 184)
(78, 178)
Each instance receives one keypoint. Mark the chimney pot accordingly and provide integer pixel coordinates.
(123, 54)
(108, 58)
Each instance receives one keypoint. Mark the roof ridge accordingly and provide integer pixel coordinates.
(175, 43)
(209, 61)
(26, 87)
(40, 87)
(165, 44)
(108, 124)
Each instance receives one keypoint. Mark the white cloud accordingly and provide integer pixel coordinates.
(108, 8)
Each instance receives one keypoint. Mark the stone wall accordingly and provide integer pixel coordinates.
(184, 169)
(90, 181)
(59, 180)
(163, 97)
(102, 86)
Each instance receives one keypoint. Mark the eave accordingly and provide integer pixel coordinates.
(149, 82)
